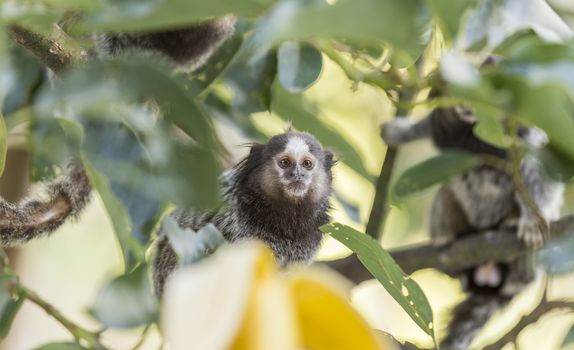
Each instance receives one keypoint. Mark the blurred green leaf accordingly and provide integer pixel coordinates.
(492, 21)
(127, 301)
(128, 94)
(395, 22)
(25, 74)
(294, 107)
(433, 171)
(557, 256)
(250, 80)
(448, 14)
(145, 15)
(528, 48)
(191, 246)
(220, 61)
(551, 110)
(381, 265)
(569, 338)
(489, 127)
(299, 66)
(9, 303)
(61, 346)
(132, 251)
(556, 166)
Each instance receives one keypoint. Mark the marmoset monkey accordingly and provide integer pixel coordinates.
(278, 194)
(484, 197)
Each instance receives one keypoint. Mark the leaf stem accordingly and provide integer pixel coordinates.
(78, 332)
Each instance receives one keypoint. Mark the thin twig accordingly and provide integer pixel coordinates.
(142, 338)
(383, 80)
(78, 332)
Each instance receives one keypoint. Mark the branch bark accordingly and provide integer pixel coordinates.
(56, 51)
(475, 249)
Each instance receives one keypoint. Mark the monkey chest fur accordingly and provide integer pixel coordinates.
(486, 195)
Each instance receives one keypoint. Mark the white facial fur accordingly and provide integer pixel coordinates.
(297, 150)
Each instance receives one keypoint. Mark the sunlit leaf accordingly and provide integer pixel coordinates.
(127, 301)
(9, 303)
(299, 66)
(382, 266)
(433, 171)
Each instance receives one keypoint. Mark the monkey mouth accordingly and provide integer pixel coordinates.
(296, 188)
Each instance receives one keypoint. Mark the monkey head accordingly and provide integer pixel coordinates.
(292, 166)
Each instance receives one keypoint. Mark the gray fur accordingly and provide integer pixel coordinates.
(484, 197)
(35, 217)
(188, 48)
(289, 226)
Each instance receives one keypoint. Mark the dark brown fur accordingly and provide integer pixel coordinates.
(290, 228)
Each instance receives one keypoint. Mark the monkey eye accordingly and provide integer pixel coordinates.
(284, 163)
(307, 164)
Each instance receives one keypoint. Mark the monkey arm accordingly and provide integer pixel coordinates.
(31, 217)
(543, 205)
(402, 130)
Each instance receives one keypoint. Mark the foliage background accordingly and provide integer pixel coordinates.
(69, 268)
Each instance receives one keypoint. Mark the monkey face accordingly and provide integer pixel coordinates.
(296, 167)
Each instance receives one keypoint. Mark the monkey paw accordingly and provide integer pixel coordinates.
(395, 132)
(532, 232)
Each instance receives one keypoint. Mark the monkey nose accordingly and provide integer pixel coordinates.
(297, 174)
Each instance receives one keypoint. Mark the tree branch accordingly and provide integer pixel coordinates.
(544, 307)
(472, 250)
(380, 207)
(56, 51)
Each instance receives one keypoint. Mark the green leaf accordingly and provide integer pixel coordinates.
(146, 15)
(61, 346)
(489, 127)
(132, 250)
(557, 256)
(127, 301)
(299, 66)
(9, 303)
(556, 166)
(303, 115)
(191, 246)
(569, 338)
(381, 265)
(433, 171)
(550, 109)
(448, 14)
(114, 92)
(395, 22)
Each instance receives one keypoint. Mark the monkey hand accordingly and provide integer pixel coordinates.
(533, 231)
(396, 131)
